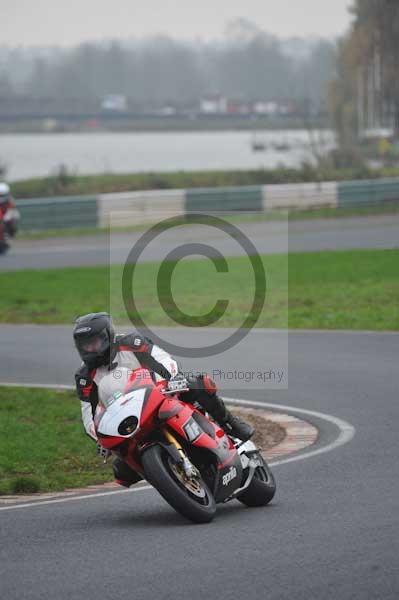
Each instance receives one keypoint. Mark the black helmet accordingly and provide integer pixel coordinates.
(93, 335)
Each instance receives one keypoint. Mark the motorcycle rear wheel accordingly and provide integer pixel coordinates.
(262, 488)
(193, 501)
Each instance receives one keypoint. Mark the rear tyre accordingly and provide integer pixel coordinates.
(262, 488)
(192, 500)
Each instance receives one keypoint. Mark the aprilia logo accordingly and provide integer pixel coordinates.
(232, 474)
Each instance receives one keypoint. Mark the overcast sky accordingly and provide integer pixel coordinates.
(66, 22)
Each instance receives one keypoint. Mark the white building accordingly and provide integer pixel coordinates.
(114, 103)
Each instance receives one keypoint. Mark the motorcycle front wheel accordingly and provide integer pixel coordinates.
(189, 497)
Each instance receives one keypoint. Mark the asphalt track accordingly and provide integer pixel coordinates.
(267, 237)
(331, 532)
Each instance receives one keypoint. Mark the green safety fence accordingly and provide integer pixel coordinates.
(57, 213)
(83, 211)
(224, 199)
(367, 192)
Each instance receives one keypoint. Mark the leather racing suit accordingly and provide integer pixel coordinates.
(134, 351)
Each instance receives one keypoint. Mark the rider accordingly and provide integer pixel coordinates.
(101, 351)
(7, 226)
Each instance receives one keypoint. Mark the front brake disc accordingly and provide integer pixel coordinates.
(192, 484)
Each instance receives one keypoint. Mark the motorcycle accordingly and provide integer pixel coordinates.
(188, 458)
(8, 228)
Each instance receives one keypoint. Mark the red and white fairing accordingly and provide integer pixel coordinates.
(117, 411)
(133, 408)
(122, 394)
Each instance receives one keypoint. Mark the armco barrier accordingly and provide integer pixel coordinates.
(367, 192)
(224, 199)
(130, 208)
(299, 195)
(57, 213)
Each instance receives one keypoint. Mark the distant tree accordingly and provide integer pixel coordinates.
(342, 97)
(371, 55)
(317, 70)
(6, 86)
(364, 92)
(247, 64)
(40, 79)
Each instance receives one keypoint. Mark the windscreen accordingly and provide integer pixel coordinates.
(113, 385)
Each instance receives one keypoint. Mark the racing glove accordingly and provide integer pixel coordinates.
(178, 383)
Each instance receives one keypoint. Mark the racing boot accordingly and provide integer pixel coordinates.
(236, 427)
(208, 398)
(203, 392)
(123, 474)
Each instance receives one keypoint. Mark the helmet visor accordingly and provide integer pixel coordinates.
(95, 344)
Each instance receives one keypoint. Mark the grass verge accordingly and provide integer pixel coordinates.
(42, 444)
(68, 184)
(328, 290)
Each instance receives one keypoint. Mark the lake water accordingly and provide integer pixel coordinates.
(37, 155)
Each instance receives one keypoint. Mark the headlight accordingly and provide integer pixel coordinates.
(128, 425)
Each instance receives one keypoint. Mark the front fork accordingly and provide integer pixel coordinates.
(189, 469)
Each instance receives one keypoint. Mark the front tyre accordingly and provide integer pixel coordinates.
(262, 488)
(191, 498)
